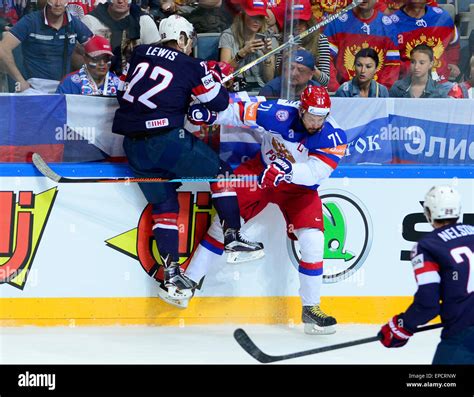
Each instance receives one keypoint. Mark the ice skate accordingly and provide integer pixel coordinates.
(182, 303)
(241, 257)
(178, 285)
(235, 242)
(316, 322)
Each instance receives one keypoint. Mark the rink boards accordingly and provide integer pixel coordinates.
(83, 254)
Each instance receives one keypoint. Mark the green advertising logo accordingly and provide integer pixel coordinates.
(335, 234)
(347, 235)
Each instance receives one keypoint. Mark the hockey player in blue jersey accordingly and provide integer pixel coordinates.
(160, 82)
(443, 263)
(301, 147)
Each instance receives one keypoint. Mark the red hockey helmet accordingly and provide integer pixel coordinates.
(315, 100)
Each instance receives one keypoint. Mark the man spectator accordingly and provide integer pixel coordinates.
(48, 39)
(363, 27)
(321, 9)
(125, 25)
(417, 23)
(388, 7)
(94, 77)
(301, 71)
(211, 16)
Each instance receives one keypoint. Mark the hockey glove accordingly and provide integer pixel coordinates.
(200, 115)
(393, 334)
(277, 171)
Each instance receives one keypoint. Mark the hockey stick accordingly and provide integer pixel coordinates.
(292, 40)
(249, 346)
(46, 171)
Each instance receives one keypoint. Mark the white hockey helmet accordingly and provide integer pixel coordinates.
(171, 28)
(442, 202)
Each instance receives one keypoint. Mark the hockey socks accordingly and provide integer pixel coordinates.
(311, 279)
(225, 202)
(204, 258)
(165, 230)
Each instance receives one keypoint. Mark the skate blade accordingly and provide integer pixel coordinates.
(180, 303)
(313, 329)
(241, 257)
(176, 294)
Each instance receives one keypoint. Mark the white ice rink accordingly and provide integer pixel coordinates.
(199, 344)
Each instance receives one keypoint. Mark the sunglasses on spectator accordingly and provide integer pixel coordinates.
(94, 61)
(259, 18)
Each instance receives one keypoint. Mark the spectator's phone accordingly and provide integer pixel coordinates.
(260, 36)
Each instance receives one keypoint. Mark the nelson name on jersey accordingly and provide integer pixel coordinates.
(456, 232)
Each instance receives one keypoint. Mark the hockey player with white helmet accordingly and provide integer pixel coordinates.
(301, 147)
(161, 81)
(443, 263)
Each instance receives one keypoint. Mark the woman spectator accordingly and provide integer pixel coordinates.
(363, 83)
(419, 84)
(316, 43)
(245, 41)
(94, 77)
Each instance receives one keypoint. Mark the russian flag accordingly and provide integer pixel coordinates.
(393, 55)
(40, 123)
(28, 124)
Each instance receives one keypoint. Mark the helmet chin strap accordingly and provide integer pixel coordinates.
(186, 48)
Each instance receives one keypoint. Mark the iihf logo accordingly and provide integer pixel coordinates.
(22, 223)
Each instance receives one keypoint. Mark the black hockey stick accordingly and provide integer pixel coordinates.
(247, 344)
(46, 170)
(293, 40)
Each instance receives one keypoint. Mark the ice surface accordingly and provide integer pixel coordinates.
(199, 344)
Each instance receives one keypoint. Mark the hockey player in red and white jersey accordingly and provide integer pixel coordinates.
(301, 147)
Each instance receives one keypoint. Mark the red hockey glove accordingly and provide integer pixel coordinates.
(393, 334)
(199, 115)
(277, 171)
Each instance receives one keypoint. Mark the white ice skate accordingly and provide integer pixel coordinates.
(241, 257)
(175, 300)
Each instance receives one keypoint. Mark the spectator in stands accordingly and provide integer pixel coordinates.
(363, 27)
(48, 39)
(8, 12)
(240, 44)
(419, 84)
(417, 23)
(363, 84)
(321, 9)
(125, 25)
(466, 54)
(211, 16)
(301, 71)
(316, 43)
(94, 77)
(466, 88)
(388, 7)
